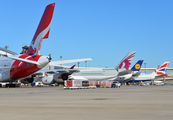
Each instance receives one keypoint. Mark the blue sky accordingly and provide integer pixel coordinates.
(103, 29)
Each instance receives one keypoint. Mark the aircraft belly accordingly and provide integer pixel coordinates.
(96, 77)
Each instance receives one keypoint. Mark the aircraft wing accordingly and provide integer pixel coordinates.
(136, 74)
(58, 62)
(160, 76)
(54, 71)
(153, 69)
(125, 72)
(147, 69)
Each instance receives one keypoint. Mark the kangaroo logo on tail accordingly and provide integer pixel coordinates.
(42, 31)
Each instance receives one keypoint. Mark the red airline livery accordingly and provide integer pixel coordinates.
(17, 67)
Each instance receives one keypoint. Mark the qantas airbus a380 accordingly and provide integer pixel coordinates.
(17, 67)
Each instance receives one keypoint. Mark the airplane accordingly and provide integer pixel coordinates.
(158, 73)
(57, 62)
(15, 67)
(105, 73)
(134, 72)
(55, 76)
(5, 52)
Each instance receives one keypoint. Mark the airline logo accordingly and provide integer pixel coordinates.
(137, 66)
(42, 31)
(126, 62)
(162, 69)
(60, 77)
(46, 74)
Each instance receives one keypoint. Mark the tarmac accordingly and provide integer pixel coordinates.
(125, 103)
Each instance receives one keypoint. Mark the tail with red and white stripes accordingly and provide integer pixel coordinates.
(161, 70)
(42, 31)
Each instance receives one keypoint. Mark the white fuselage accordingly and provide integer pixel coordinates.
(97, 74)
(145, 77)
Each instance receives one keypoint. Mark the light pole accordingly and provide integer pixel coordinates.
(85, 64)
(78, 64)
(6, 49)
(61, 59)
(145, 66)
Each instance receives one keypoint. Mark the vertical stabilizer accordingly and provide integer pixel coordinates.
(126, 62)
(72, 67)
(137, 66)
(42, 31)
(161, 70)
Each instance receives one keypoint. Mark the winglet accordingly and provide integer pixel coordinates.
(42, 31)
(72, 67)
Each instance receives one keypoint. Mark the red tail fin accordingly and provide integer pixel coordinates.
(161, 70)
(126, 62)
(42, 31)
(72, 66)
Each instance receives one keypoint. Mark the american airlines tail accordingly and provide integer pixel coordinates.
(161, 70)
(126, 62)
(42, 31)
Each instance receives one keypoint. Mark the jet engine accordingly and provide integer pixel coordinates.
(47, 80)
(60, 77)
(27, 80)
(51, 79)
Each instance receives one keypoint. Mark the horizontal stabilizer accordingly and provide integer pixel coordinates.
(24, 60)
(58, 62)
(160, 76)
(125, 72)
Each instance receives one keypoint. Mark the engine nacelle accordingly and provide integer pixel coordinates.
(27, 80)
(60, 77)
(48, 80)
